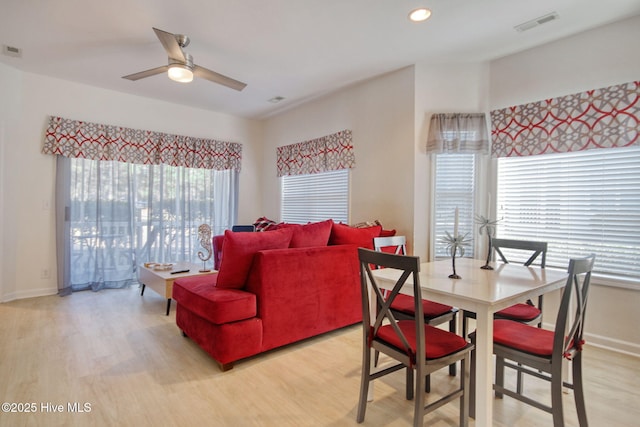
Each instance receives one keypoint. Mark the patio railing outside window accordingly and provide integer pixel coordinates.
(120, 215)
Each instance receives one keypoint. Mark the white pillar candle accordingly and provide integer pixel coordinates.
(455, 224)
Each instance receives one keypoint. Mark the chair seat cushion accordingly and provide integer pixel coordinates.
(438, 342)
(405, 304)
(522, 312)
(523, 337)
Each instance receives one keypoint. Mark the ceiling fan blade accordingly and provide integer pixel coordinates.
(170, 44)
(147, 73)
(218, 78)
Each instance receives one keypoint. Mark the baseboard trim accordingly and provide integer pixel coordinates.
(31, 293)
(619, 346)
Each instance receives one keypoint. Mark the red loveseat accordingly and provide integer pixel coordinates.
(274, 288)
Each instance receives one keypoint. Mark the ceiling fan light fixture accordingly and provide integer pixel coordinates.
(180, 73)
(420, 14)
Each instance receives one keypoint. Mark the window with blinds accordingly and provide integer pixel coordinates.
(315, 197)
(454, 188)
(580, 203)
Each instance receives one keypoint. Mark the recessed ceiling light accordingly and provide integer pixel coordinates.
(276, 99)
(419, 15)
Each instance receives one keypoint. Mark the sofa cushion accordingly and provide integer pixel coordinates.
(238, 250)
(263, 224)
(217, 251)
(387, 233)
(342, 234)
(217, 305)
(309, 235)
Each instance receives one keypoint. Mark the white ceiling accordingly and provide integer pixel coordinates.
(297, 49)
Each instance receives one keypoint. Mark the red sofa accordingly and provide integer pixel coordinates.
(274, 288)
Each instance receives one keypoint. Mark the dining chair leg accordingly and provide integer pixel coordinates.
(452, 329)
(465, 324)
(418, 399)
(499, 375)
(556, 396)
(472, 385)
(519, 379)
(465, 399)
(364, 385)
(578, 392)
(409, 383)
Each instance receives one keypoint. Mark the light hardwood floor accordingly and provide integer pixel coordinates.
(118, 352)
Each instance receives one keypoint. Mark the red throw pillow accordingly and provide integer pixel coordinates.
(342, 234)
(263, 224)
(387, 233)
(309, 235)
(239, 248)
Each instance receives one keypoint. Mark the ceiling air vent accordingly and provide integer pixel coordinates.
(535, 22)
(11, 51)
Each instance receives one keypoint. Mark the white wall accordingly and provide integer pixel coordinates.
(10, 105)
(380, 112)
(593, 59)
(598, 58)
(28, 176)
(453, 88)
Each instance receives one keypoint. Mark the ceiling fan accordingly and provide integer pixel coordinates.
(181, 67)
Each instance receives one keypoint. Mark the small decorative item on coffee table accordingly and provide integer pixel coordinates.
(204, 236)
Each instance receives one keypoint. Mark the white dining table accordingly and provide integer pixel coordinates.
(483, 292)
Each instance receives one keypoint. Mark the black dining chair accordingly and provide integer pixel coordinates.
(525, 312)
(540, 352)
(419, 348)
(403, 306)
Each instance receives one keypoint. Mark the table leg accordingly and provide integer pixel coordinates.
(484, 368)
(142, 292)
(168, 305)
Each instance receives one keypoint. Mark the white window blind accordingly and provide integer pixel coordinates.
(315, 197)
(580, 203)
(454, 187)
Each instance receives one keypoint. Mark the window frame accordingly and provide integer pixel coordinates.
(339, 214)
(624, 281)
(480, 205)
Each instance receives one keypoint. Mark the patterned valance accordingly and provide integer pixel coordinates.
(74, 138)
(328, 153)
(458, 133)
(600, 118)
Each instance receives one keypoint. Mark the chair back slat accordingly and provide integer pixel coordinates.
(399, 243)
(539, 249)
(576, 291)
(409, 267)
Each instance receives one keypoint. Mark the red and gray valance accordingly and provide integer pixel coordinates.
(74, 138)
(328, 153)
(599, 118)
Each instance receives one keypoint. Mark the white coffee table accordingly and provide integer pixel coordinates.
(161, 281)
